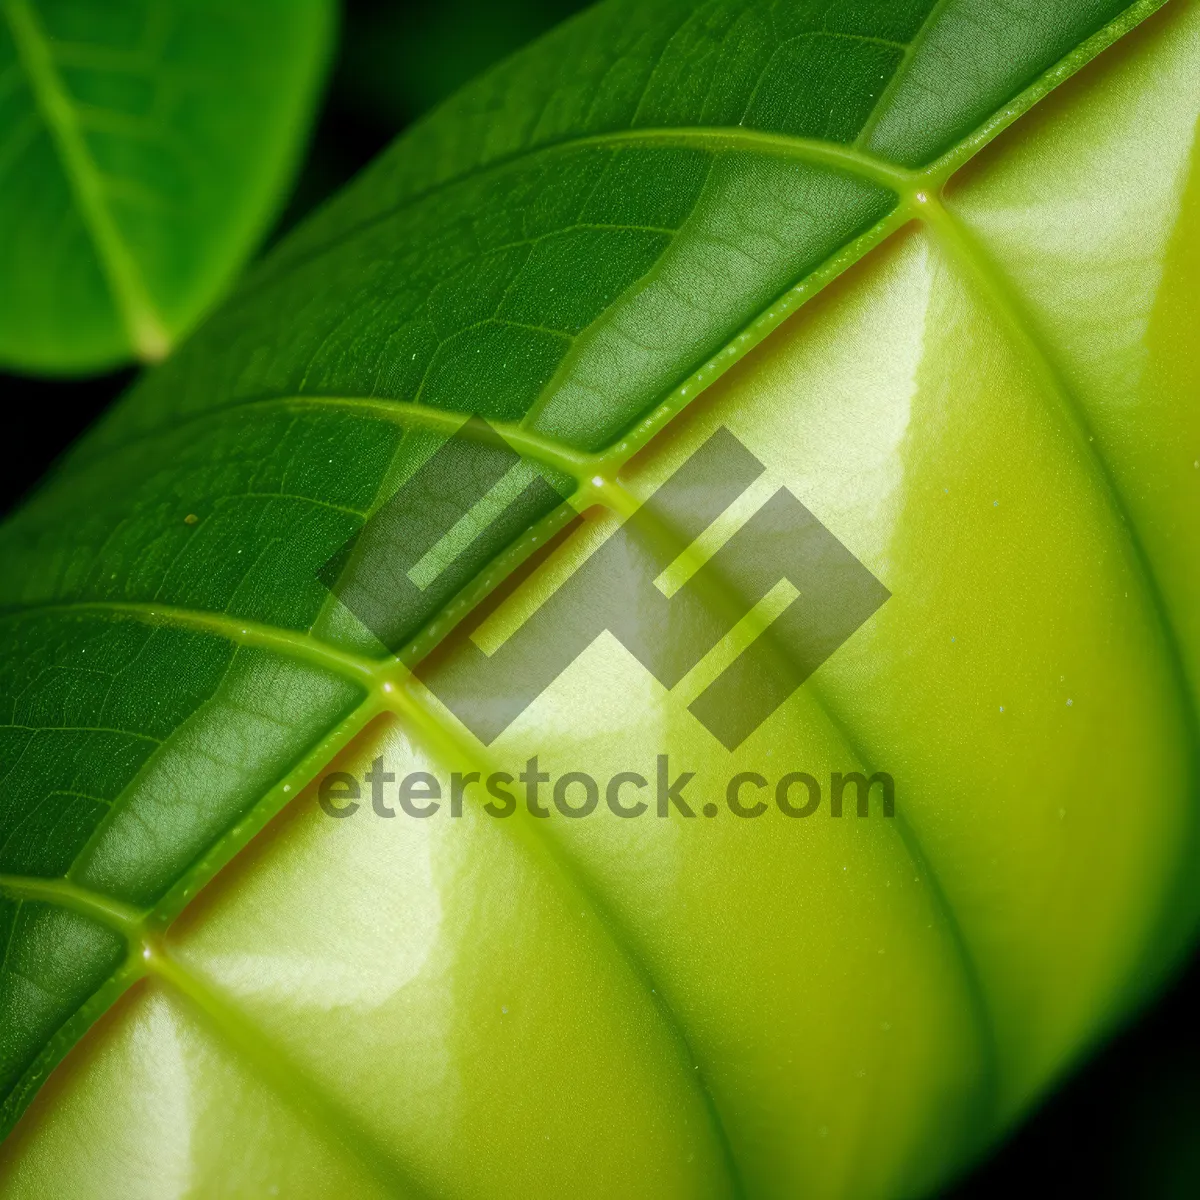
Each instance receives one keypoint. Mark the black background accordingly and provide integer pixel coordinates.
(1127, 1124)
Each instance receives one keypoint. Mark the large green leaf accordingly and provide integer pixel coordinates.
(990, 402)
(144, 145)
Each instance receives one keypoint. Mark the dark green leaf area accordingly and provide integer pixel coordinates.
(975, 55)
(51, 962)
(267, 713)
(128, 748)
(511, 295)
(810, 69)
(89, 702)
(841, 92)
(762, 224)
(230, 518)
(467, 303)
(904, 80)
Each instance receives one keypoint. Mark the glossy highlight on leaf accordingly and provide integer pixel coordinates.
(934, 265)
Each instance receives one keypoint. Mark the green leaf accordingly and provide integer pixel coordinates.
(959, 331)
(144, 147)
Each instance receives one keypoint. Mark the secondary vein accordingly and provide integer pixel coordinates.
(813, 151)
(235, 629)
(974, 263)
(324, 1112)
(61, 893)
(880, 107)
(411, 705)
(406, 413)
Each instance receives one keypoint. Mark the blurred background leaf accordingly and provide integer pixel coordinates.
(144, 150)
